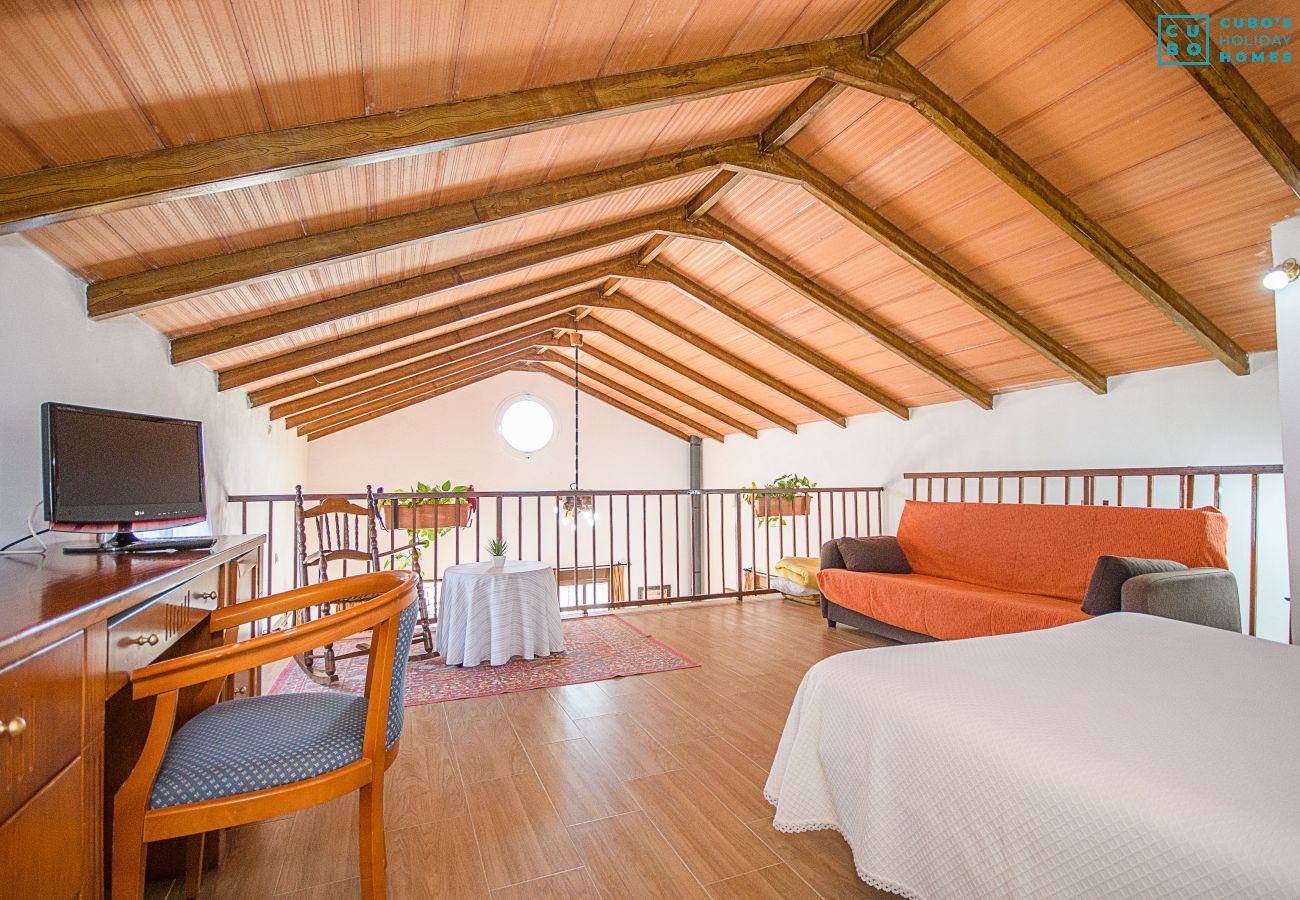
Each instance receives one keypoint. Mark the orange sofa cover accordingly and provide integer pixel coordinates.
(989, 568)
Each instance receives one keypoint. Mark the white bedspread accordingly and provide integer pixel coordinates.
(1125, 756)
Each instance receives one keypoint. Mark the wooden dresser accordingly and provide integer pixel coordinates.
(72, 628)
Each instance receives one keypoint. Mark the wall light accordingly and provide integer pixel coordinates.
(1281, 275)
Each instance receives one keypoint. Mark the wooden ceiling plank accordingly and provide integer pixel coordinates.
(971, 135)
(322, 312)
(709, 195)
(323, 351)
(936, 268)
(53, 195)
(742, 400)
(791, 120)
(623, 302)
(653, 248)
(712, 229)
(897, 24)
(324, 431)
(557, 317)
(664, 388)
(166, 284)
(551, 354)
(600, 395)
(377, 398)
(768, 333)
(1238, 100)
(508, 341)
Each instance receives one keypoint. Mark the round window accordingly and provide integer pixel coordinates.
(526, 425)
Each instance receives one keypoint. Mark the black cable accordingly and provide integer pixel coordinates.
(26, 537)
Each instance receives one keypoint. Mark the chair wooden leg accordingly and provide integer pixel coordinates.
(128, 851)
(194, 864)
(374, 855)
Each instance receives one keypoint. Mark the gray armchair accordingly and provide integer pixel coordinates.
(1201, 596)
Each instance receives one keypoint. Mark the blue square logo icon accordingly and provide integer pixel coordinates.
(1183, 40)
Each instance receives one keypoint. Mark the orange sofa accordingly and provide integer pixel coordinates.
(990, 568)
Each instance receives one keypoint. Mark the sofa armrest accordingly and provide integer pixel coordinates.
(1201, 596)
(831, 558)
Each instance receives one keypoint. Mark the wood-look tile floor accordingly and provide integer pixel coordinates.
(641, 787)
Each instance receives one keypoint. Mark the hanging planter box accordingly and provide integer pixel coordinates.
(771, 507)
(426, 515)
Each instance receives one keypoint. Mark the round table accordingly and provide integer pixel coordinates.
(491, 615)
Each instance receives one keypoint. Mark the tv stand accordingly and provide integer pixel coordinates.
(127, 542)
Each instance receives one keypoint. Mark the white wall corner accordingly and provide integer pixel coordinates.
(1286, 244)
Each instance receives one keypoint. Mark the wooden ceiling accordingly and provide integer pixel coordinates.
(822, 209)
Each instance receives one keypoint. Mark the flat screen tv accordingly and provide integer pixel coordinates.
(112, 471)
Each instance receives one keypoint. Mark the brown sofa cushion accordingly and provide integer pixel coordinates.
(874, 554)
(1108, 577)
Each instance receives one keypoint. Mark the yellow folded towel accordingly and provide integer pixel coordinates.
(799, 569)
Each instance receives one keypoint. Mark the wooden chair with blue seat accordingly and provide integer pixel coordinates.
(257, 757)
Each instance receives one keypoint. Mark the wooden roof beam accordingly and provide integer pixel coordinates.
(551, 354)
(626, 368)
(756, 326)
(496, 328)
(1239, 101)
(193, 278)
(376, 398)
(742, 400)
(325, 431)
(969, 133)
(659, 320)
(520, 338)
(712, 229)
(791, 120)
(897, 24)
(939, 270)
(90, 188)
(600, 395)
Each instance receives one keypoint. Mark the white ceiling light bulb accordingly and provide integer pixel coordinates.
(1281, 275)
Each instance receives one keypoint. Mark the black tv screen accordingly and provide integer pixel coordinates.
(107, 470)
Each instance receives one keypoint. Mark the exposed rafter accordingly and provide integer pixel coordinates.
(551, 354)
(897, 24)
(934, 266)
(756, 326)
(622, 365)
(791, 120)
(415, 386)
(600, 395)
(521, 338)
(1238, 100)
(72, 191)
(981, 143)
(325, 431)
(225, 270)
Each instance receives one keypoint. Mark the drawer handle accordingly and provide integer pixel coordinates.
(151, 639)
(205, 595)
(14, 727)
(241, 690)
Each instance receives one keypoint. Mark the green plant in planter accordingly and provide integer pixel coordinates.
(423, 537)
(790, 486)
(497, 547)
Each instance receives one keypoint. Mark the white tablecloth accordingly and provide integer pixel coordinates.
(491, 616)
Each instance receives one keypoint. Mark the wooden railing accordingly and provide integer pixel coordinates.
(636, 547)
(1237, 490)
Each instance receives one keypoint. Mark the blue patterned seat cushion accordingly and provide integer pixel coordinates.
(261, 742)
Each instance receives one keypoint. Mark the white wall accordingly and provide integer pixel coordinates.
(1189, 415)
(1286, 244)
(49, 350)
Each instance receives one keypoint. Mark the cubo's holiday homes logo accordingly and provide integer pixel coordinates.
(1185, 40)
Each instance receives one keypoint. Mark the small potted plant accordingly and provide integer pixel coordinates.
(496, 549)
(792, 500)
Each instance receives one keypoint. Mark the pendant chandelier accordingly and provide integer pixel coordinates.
(575, 507)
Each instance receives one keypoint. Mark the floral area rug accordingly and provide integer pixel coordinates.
(598, 647)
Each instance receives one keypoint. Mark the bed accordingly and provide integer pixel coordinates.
(1124, 756)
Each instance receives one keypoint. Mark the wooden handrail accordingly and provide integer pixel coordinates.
(396, 592)
(1269, 469)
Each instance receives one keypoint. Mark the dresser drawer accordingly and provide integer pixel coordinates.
(139, 636)
(40, 710)
(42, 846)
